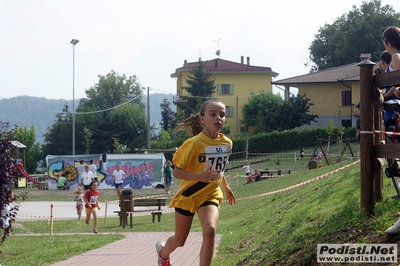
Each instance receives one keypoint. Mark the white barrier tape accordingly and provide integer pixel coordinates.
(301, 184)
(366, 132)
(33, 216)
(387, 132)
(160, 196)
(154, 211)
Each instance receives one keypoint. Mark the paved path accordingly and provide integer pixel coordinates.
(134, 249)
(139, 249)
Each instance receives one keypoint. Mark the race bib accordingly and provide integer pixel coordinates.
(93, 199)
(217, 156)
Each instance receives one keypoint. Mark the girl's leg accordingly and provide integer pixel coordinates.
(182, 228)
(88, 212)
(94, 213)
(79, 214)
(209, 216)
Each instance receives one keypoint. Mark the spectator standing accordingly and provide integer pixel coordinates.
(93, 169)
(358, 128)
(247, 171)
(92, 205)
(5, 211)
(118, 176)
(167, 176)
(391, 40)
(302, 154)
(316, 154)
(87, 178)
(80, 169)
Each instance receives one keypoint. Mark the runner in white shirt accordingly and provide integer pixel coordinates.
(118, 177)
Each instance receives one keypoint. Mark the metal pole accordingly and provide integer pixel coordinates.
(73, 100)
(148, 119)
(73, 42)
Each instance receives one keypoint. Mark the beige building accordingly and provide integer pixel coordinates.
(235, 83)
(334, 92)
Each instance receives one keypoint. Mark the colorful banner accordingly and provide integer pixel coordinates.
(58, 164)
(141, 170)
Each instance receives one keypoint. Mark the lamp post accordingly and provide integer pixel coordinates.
(73, 42)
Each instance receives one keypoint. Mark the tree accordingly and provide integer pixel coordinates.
(164, 141)
(118, 147)
(359, 31)
(129, 125)
(58, 139)
(33, 153)
(269, 112)
(87, 136)
(113, 108)
(111, 91)
(168, 120)
(6, 172)
(200, 87)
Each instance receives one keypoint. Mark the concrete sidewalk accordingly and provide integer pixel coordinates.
(134, 249)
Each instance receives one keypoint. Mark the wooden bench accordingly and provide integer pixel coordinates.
(265, 174)
(150, 202)
(269, 172)
(284, 171)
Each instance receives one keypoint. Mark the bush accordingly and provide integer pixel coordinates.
(284, 140)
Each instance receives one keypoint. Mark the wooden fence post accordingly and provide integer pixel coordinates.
(367, 135)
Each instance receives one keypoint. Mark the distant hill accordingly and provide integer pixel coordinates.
(27, 111)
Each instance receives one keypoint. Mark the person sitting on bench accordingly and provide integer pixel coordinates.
(257, 176)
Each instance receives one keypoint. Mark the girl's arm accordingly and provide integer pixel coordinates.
(395, 64)
(228, 191)
(207, 176)
(86, 201)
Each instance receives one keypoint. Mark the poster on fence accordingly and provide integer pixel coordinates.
(141, 170)
(58, 165)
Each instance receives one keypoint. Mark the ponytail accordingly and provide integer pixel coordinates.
(191, 125)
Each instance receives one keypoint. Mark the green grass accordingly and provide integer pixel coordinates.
(278, 229)
(41, 250)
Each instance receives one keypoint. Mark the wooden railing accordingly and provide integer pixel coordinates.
(372, 148)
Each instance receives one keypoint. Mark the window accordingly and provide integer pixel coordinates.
(230, 111)
(225, 89)
(346, 97)
(346, 123)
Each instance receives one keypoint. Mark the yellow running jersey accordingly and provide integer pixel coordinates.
(195, 155)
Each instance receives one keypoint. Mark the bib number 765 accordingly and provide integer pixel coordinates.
(218, 163)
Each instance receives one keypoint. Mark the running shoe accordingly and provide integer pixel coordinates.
(161, 261)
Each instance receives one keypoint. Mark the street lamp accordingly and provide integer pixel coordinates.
(73, 42)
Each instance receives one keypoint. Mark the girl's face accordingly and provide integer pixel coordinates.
(94, 186)
(213, 119)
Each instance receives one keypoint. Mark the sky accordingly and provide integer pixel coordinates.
(150, 39)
